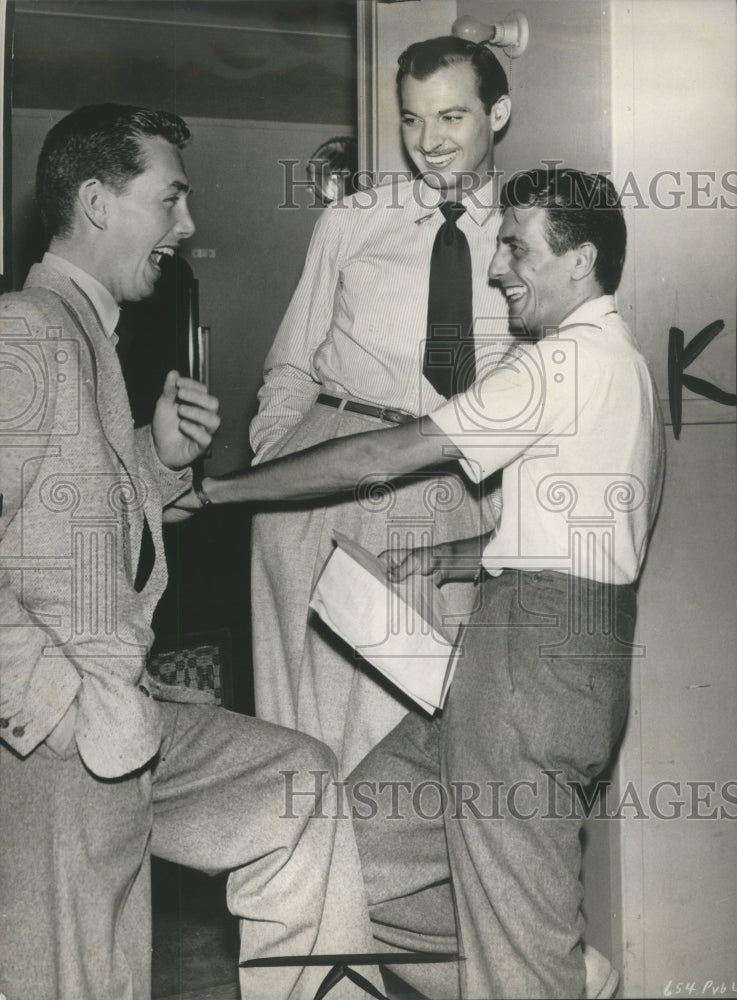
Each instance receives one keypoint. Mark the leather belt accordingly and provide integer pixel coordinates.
(368, 410)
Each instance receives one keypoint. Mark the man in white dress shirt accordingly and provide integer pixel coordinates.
(348, 357)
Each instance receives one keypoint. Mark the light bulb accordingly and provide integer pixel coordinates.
(472, 30)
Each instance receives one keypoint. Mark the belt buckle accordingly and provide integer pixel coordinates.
(391, 416)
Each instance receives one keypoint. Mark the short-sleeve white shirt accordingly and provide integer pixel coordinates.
(574, 421)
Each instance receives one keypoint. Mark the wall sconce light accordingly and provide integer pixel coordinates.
(512, 34)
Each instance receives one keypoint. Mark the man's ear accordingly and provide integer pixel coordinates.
(500, 112)
(93, 200)
(584, 261)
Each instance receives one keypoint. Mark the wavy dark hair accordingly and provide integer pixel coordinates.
(580, 208)
(422, 59)
(102, 141)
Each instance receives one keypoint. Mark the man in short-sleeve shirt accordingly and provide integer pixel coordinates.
(491, 864)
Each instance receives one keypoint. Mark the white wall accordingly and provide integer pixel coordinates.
(674, 129)
(559, 86)
(674, 108)
(677, 918)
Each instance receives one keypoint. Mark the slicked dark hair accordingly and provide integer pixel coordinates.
(580, 208)
(102, 141)
(422, 59)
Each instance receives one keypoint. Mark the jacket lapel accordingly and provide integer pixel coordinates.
(116, 420)
(111, 394)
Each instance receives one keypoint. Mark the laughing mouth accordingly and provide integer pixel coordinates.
(514, 293)
(158, 253)
(440, 160)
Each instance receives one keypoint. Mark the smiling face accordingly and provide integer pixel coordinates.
(143, 222)
(541, 289)
(446, 129)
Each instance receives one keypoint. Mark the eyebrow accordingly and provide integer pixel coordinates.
(442, 111)
(181, 186)
(511, 239)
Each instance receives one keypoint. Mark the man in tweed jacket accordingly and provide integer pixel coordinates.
(95, 773)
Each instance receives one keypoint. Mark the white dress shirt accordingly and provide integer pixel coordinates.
(357, 322)
(105, 305)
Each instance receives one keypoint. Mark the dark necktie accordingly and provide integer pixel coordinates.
(449, 364)
(146, 557)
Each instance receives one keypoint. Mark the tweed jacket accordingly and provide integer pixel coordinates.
(77, 483)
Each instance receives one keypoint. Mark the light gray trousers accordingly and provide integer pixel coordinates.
(468, 826)
(75, 920)
(304, 676)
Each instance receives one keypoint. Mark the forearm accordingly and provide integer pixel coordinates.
(171, 483)
(447, 562)
(285, 398)
(290, 382)
(335, 466)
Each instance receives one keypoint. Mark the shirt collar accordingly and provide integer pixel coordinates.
(590, 313)
(480, 204)
(484, 202)
(107, 308)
